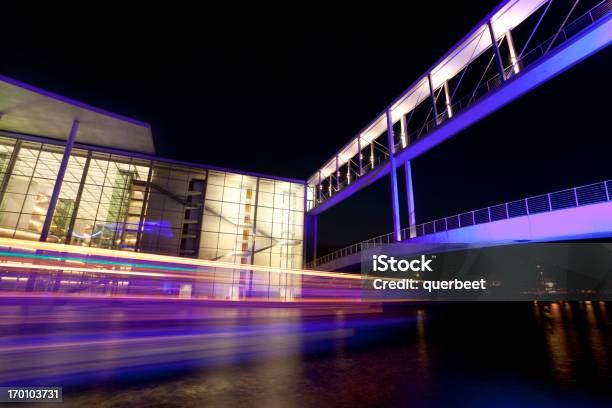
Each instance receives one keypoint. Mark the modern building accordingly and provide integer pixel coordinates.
(74, 174)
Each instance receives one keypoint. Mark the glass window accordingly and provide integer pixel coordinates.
(214, 192)
(231, 194)
(216, 178)
(13, 202)
(266, 185)
(18, 184)
(265, 199)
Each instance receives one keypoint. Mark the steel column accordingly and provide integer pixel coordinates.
(433, 100)
(410, 194)
(77, 200)
(498, 58)
(393, 172)
(58, 183)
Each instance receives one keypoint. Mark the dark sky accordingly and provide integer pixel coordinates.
(278, 91)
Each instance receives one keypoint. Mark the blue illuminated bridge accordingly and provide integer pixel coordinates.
(518, 46)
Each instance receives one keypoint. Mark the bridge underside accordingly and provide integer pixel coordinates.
(585, 222)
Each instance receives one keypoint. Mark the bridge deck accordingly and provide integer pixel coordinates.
(577, 213)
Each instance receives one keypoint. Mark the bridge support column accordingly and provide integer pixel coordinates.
(410, 194)
(310, 239)
(393, 172)
(498, 58)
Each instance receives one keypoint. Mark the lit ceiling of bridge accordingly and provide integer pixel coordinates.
(504, 17)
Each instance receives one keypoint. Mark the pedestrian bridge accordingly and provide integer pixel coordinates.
(518, 46)
(443, 102)
(573, 214)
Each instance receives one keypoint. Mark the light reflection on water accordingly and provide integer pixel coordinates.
(571, 340)
(147, 353)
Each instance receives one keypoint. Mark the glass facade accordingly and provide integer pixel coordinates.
(253, 220)
(149, 205)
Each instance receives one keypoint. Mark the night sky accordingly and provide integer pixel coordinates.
(278, 91)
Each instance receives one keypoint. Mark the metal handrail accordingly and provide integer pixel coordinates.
(557, 200)
(595, 13)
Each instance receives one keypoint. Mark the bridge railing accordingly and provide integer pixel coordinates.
(558, 200)
(598, 11)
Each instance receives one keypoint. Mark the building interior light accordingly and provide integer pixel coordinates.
(38, 210)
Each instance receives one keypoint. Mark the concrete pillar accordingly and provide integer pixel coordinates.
(310, 238)
(393, 173)
(58, 183)
(410, 194)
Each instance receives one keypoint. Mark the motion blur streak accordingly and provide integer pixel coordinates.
(28, 267)
(73, 249)
(53, 341)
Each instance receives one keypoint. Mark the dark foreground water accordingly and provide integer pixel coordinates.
(137, 353)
